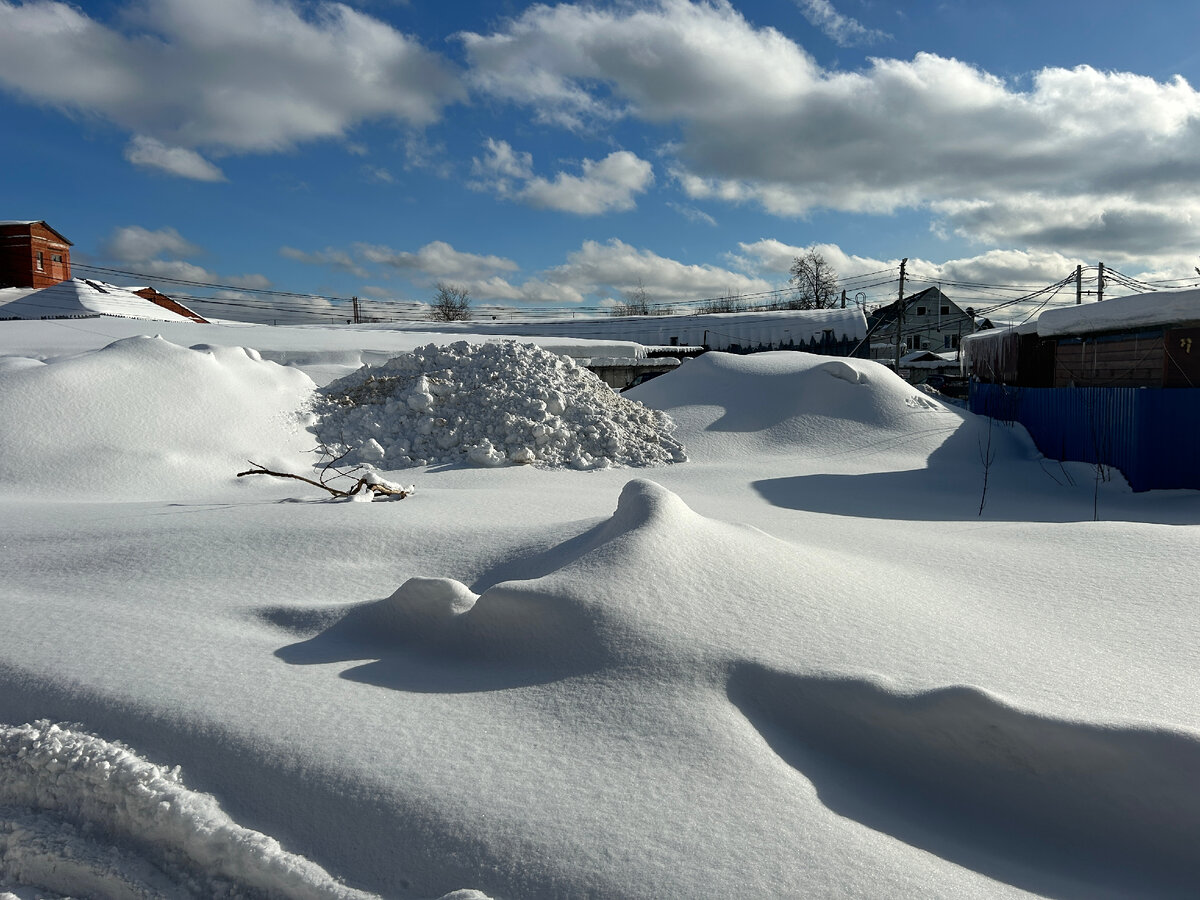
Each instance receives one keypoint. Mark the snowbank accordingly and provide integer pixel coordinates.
(491, 405)
(796, 402)
(145, 418)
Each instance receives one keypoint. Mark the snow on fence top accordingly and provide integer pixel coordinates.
(717, 331)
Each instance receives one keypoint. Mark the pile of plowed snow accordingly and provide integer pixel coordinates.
(490, 404)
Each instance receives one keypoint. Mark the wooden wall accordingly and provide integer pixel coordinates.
(1135, 360)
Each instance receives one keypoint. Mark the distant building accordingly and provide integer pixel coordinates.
(1113, 383)
(932, 321)
(33, 255)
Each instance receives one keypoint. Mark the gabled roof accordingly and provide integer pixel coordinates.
(41, 222)
(887, 313)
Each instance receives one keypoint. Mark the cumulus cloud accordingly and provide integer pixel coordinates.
(437, 260)
(606, 185)
(152, 154)
(133, 244)
(228, 75)
(164, 253)
(983, 281)
(760, 122)
(842, 30)
(617, 268)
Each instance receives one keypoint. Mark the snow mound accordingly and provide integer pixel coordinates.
(80, 815)
(491, 405)
(582, 606)
(788, 400)
(144, 418)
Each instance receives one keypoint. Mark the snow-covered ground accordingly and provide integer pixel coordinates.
(801, 663)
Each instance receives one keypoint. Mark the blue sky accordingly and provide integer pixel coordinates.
(563, 157)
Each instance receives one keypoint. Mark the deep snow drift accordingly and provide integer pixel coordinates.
(803, 664)
(491, 404)
(145, 418)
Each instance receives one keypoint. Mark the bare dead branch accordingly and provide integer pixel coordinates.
(379, 490)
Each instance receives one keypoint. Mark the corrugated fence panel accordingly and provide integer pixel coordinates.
(1151, 434)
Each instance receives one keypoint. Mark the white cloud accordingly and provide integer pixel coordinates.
(692, 214)
(606, 185)
(134, 244)
(229, 75)
(759, 121)
(244, 307)
(378, 175)
(616, 267)
(253, 281)
(843, 31)
(330, 256)
(143, 250)
(437, 260)
(970, 280)
(153, 154)
(501, 163)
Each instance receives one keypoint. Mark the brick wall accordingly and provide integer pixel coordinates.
(33, 255)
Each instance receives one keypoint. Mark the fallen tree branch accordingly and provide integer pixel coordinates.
(377, 488)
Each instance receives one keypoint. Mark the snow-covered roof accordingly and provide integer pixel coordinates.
(79, 297)
(717, 331)
(1159, 309)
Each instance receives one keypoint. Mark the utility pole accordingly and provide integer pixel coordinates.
(1100, 285)
(354, 302)
(900, 313)
(1078, 284)
(843, 298)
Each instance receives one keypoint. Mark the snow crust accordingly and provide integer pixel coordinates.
(492, 405)
(81, 815)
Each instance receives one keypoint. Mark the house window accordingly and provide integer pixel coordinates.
(40, 261)
(921, 311)
(56, 257)
(945, 310)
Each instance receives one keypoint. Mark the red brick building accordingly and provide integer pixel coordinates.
(32, 254)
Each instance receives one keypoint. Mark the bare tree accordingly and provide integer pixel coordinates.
(814, 281)
(730, 303)
(451, 303)
(636, 303)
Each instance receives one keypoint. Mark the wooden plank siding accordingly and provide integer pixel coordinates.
(1127, 360)
(1183, 358)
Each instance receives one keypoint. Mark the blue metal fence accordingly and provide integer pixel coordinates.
(1151, 434)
